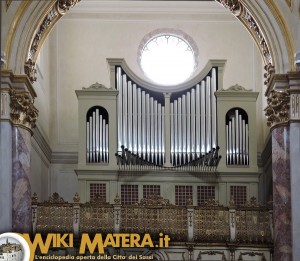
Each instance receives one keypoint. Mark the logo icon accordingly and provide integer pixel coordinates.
(13, 247)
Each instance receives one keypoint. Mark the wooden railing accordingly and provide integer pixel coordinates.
(207, 223)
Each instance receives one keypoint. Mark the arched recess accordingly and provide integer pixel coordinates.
(33, 22)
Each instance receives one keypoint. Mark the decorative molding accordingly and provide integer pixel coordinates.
(235, 88)
(95, 86)
(55, 199)
(22, 110)
(263, 258)
(64, 157)
(295, 106)
(270, 70)
(64, 5)
(29, 69)
(4, 105)
(211, 202)
(252, 203)
(234, 6)
(8, 3)
(290, 4)
(154, 201)
(42, 30)
(211, 253)
(277, 111)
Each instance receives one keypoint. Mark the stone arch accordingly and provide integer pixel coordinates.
(34, 20)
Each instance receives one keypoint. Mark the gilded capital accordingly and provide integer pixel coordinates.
(22, 110)
(277, 111)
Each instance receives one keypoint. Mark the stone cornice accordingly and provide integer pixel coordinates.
(16, 81)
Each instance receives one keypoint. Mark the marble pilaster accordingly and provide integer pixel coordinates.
(18, 116)
(21, 189)
(294, 83)
(281, 193)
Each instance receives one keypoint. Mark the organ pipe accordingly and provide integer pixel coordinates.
(193, 121)
(237, 140)
(97, 137)
(140, 121)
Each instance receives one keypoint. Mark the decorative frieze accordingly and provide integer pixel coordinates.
(295, 107)
(242, 13)
(277, 111)
(22, 110)
(64, 5)
(30, 70)
(4, 105)
(58, 10)
(233, 5)
(270, 70)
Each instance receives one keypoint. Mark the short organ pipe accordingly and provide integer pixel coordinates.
(97, 136)
(237, 140)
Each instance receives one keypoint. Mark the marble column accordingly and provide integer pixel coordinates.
(22, 116)
(281, 193)
(277, 113)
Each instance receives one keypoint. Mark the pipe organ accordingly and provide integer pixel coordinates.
(194, 121)
(97, 135)
(237, 137)
(142, 121)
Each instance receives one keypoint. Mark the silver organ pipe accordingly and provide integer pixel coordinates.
(141, 121)
(184, 116)
(237, 140)
(208, 114)
(179, 136)
(124, 86)
(213, 108)
(193, 121)
(97, 136)
(172, 131)
(120, 105)
(188, 125)
(203, 116)
(130, 98)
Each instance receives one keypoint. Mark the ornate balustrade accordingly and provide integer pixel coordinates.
(207, 223)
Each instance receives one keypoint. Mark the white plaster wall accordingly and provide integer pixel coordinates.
(64, 181)
(39, 173)
(291, 17)
(80, 47)
(42, 89)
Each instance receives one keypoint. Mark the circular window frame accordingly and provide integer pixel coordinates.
(173, 32)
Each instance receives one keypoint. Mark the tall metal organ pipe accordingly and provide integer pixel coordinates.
(193, 121)
(141, 121)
